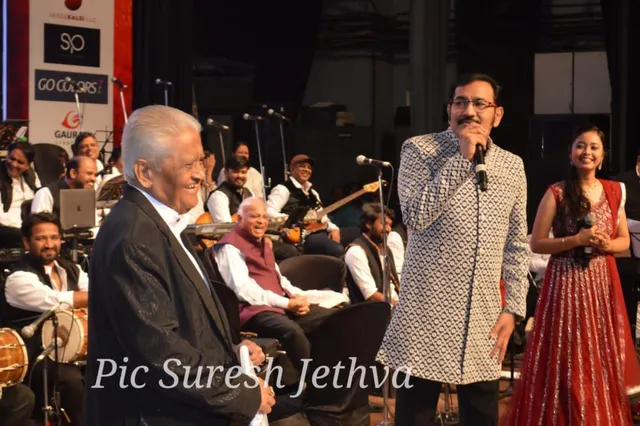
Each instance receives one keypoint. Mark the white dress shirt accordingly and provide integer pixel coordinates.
(24, 290)
(21, 192)
(396, 245)
(358, 264)
(99, 179)
(218, 204)
(233, 269)
(254, 182)
(177, 224)
(279, 196)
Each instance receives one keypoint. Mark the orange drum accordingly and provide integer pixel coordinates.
(14, 360)
(73, 329)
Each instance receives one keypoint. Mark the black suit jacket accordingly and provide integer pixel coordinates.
(148, 304)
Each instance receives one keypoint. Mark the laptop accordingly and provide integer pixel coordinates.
(77, 208)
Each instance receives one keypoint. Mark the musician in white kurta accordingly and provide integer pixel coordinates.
(461, 241)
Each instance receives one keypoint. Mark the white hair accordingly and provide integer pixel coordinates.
(247, 202)
(151, 134)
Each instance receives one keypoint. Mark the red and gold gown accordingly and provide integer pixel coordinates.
(580, 360)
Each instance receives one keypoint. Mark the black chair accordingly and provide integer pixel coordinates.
(49, 162)
(336, 341)
(315, 272)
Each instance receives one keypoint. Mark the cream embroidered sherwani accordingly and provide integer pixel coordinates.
(461, 240)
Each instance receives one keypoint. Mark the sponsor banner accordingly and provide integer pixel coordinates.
(70, 48)
(60, 86)
(71, 45)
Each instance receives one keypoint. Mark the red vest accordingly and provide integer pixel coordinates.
(262, 268)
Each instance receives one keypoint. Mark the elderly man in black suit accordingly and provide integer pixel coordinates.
(160, 347)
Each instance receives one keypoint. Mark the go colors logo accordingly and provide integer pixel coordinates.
(60, 86)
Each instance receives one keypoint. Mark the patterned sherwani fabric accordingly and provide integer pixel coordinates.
(460, 242)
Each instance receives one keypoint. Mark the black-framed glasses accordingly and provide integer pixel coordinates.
(478, 104)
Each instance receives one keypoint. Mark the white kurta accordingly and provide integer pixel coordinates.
(460, 240)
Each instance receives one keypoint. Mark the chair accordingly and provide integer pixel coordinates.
(49, 161)
(339, 339)
(315, 272)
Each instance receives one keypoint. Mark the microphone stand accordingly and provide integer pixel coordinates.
(124, 108)
(80, 118)
(284, 155)
(386, 287)
(264, 190)
(224, 157)
(51, 405)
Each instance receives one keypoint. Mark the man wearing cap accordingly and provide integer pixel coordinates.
(296, 192)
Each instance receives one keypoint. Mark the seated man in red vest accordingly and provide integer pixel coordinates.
(270, 305)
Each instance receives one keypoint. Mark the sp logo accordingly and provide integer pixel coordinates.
(71, 43)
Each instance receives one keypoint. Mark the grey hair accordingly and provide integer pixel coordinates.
(150, 134)
(248, 201)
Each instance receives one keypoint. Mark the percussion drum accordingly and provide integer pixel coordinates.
(75, 324)
(14, 360)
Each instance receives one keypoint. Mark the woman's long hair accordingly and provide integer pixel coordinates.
(577, 205)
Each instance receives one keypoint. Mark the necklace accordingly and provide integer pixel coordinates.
(589, 191)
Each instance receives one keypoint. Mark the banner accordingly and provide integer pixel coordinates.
(71, 44)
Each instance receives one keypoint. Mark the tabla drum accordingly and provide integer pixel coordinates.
(14, 360)
(73, 329)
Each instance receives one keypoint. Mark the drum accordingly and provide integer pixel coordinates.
(73, 329)
(14, 360)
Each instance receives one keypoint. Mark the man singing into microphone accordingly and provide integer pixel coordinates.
(449, 325)
(39, 282)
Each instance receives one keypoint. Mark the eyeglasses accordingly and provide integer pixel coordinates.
(478, 104)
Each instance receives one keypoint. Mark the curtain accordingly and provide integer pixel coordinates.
(163, 49)
(621, 41)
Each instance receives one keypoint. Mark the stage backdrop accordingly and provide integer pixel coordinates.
(61, 46)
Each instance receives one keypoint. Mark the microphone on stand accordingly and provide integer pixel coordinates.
(481, 168)
(212, 122)
(58, 342)
(252, 117)
(29, 330)
(364, 161)
(119, 83)
(166, 83)
(277, 114)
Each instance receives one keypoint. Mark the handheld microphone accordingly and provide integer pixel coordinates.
(119, 83)
(52, 346)
(481, 168)
(364, 161)
(588, 221)
(252, 117)
(212, 122)
(277, 114)
(30, 329)
(166, 83)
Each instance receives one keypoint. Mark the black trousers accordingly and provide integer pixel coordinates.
(477, 402)
(16, 405)
(282, 251)
(290, 330)
(70, 385)
(320, 243)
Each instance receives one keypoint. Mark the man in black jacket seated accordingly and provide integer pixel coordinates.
(152, 309)
(364, 258)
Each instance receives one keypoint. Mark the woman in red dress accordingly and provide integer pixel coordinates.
(580, 360)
